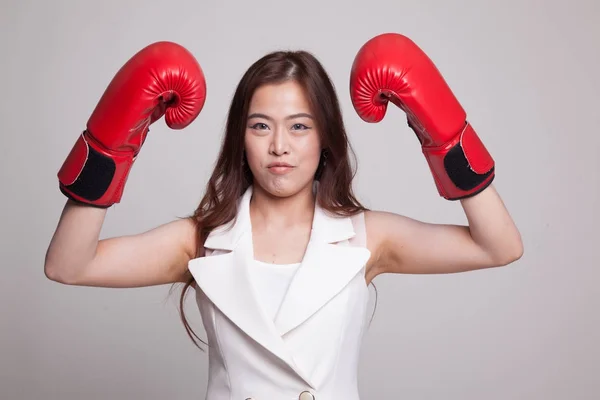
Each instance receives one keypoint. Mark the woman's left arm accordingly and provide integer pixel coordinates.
(401, 244)
(391, 69)
(492, 229)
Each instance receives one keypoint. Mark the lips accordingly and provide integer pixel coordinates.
(280, 168)
(279, 165)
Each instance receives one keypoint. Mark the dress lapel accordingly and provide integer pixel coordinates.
(328, 265)
(224, 278)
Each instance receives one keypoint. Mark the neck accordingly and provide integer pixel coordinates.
(270, 211)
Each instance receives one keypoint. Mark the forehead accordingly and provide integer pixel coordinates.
(283, 97)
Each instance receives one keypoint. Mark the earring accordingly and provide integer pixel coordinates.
(324, 156)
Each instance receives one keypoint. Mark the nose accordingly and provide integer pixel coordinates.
(280, 142)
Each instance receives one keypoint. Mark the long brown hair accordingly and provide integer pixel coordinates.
(231, 176)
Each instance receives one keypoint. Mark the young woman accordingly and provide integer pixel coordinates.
(279, 251)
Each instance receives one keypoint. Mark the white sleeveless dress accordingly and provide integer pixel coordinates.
(284, 332)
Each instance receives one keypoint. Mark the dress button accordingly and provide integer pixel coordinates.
(306, 395)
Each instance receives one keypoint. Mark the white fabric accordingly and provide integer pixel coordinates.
(271, 282)
(311, 348)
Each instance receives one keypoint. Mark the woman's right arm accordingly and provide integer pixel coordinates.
(76, 256)
(162, 78)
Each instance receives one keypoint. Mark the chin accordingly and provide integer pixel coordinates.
(282, 187)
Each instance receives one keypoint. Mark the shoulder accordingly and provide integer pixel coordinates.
(184, 233)
(383, 228)
(182, 236)
(379, 223)
(374, 221)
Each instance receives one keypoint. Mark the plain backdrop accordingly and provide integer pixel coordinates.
(525, 71)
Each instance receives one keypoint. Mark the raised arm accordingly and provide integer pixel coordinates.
(390, 68)
(76, 256)
(161, 79)
(404, 245)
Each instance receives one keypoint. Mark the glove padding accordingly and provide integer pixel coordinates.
(392, 68)
(161, 79)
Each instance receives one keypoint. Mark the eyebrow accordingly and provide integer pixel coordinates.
(298, 115)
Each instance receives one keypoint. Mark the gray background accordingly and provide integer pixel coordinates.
(525, 71)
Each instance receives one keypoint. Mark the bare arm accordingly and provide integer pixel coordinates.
(403, 245)
(76, 256)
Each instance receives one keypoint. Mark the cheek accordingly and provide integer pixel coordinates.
(312, 151)
(252, 150)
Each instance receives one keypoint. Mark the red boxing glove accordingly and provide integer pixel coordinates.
(390, 67)
(161, 79)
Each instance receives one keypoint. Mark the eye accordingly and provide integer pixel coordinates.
(259, 126)
(299, 127)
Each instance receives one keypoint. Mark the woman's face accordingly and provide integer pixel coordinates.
(282, 142)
